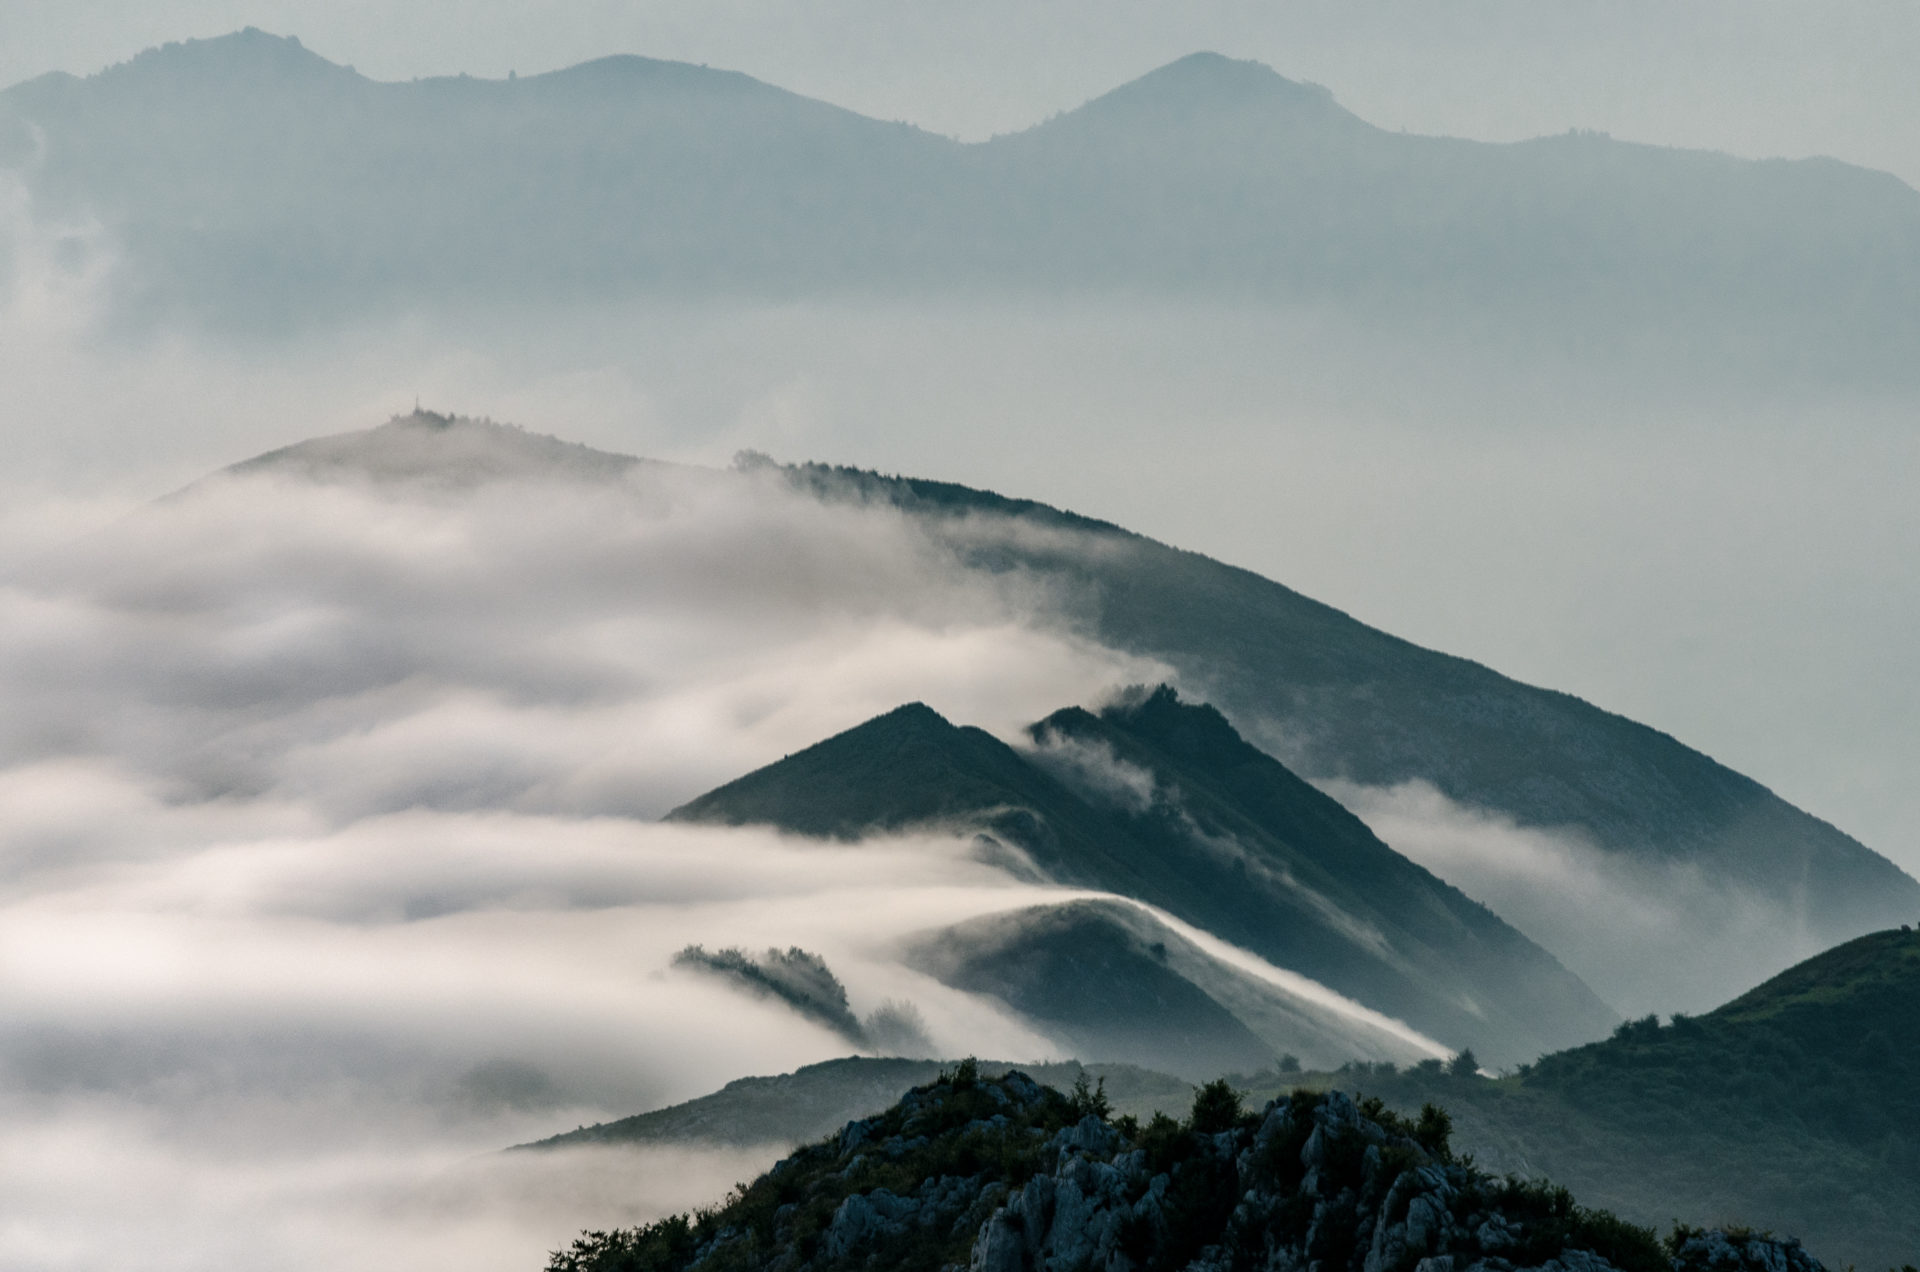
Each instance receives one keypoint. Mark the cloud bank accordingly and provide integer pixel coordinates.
(330, 860)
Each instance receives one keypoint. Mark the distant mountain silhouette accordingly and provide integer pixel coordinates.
(1223, 837)
(249, 181)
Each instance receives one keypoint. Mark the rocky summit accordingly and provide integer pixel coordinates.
(1000, 1174)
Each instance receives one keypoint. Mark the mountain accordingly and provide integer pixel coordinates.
(1794, 1107)
(252, 184)
(1680, 880)
(427, 448)
(1163, 802)
(1108, 980)
(1743, 881)
(1004, 1175)
(818, 1099)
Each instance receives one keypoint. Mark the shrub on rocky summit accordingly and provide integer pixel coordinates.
(999, 1174)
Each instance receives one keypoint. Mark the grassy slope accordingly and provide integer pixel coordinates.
(1796, 1108)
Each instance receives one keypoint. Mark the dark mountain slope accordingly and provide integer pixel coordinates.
(1334, 698)
(1278, 845)
(1195, 851)
(1109, 982)
(248, 181)
(1794, 1107)
(911, 768)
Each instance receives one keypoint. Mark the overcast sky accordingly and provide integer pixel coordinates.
(1754, 77)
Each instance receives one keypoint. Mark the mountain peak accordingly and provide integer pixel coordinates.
(1191, 730)
(910, 766)
(246, 53)
(626, 72)
(1211, 83)
(431, 448)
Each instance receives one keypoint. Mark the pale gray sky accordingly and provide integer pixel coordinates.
(1754, 77)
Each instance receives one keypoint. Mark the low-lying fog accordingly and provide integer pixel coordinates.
(329, 860)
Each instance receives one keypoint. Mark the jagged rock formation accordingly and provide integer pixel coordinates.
(1003, 1175)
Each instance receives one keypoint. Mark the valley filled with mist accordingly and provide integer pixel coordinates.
(530, 607)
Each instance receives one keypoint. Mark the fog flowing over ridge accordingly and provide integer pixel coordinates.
(321, 870)
(329, 777)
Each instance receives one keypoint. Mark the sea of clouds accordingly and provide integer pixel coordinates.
(330, 862)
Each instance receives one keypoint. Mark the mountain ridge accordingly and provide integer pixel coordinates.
(1698, 1119)
(1331, 697)
(1210, 178)
(1267, 863)
(1796, 1105)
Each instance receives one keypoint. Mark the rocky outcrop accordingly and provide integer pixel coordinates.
(1739, 1252)
(1001, 1175)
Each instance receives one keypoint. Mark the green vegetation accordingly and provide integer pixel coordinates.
(1794, 1108)
(956, 1126)
(953, 1152)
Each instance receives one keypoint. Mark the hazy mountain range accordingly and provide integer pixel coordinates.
(254, 185)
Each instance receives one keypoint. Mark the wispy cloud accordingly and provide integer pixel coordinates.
(1621, 925)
